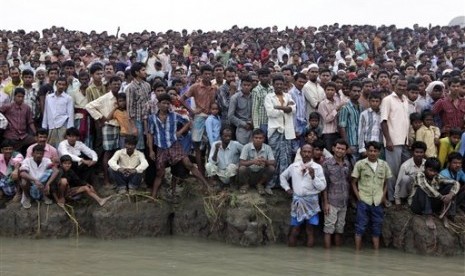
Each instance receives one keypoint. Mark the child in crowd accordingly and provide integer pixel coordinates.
(369, 184)
(10, 161)
(213, 125)
(412, 96)
(416, 123)
(448, 145)
(310, 138)
(369, 128)
(176, 103)
(314, 123)
(429, 134)
(328, 110)
(120, 114)
(69, 184)
(318, 150)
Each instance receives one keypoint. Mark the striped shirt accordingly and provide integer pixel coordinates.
(137, 96)
(259, 116)
(300, 117)
(431, 188)
(164, 133)
(369, 128)
(349, 116)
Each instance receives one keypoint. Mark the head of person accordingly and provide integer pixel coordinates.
(432, 167)
(7, 148)
(96, 70)
(69, 67)
(28, 77)
(416, 120)
(412, 92)
(418, 151)
(230, 75)
(454, 86)
(355, 88)
(330, 90)
(214, 109)
(164, 102)
(206, 72)
(121, 101)
(400, 86)
(61, 84)
(306, 151)
(318, 149)
(454, 136)
(278, 83)
(325, 76)
(138, 70)
(19, 95)
(314, 119)
(246, 84)
(226, 135)
(38, 153)
(428, 118)
(258, 138)
(367, 86)
(375, 101)
(114, 84)
(340, 148)
(66, 162)
(52, 74)
(311, 136)
(130, 143)
(373, 149)
(72, 135)
(300, 79)
(264, 76)
(313, 72)
(41, 136)
(454, 161)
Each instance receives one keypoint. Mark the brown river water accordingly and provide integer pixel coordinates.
(186, 256)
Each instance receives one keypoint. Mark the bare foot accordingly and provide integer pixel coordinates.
(104, 200)
(430, 222)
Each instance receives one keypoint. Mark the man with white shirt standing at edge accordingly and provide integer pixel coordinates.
(308, 181)
(313, 91)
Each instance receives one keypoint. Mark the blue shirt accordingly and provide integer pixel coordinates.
(459, 176)
(164, 134)
(349, 117)
(213, 127)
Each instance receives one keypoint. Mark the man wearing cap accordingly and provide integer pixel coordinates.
(214, 48)
(313, 91)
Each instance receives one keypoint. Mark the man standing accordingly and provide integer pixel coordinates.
(349, 117)
(308, 181)
(225, 93)
(240, 111)
(259, 116)
(300, 118)
(137, 96)
(395, 125)
(314, 93)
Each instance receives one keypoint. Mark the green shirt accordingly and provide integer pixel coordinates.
(371, 183)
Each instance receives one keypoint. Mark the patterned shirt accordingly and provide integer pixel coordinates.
(223, 99)
(137, 95)
(369, 128)
(259, 116)
(300, 118)
(431, 188)
(249, 153)
(349, 118)
(370, 182)
(337, 181)
(451, 113)
(32, 100)
(164, 133)
(19, 118)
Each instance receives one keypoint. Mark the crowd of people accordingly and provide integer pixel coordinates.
(337, 116)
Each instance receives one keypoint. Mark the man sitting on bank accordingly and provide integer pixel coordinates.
(224, 158)
(127, 166)
(256, 164)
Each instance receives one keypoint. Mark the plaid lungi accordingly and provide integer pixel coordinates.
(7, 185)
(169, 156)
(110, 137)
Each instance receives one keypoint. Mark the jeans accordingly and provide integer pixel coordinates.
(131, 181)
(367, 213)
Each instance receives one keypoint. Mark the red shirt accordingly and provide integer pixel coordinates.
(452, 114)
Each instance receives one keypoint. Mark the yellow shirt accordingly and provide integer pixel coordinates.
(10, 88)
(445, 147)
(427, 135)
(370, 182)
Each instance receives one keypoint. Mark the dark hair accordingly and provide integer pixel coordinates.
(38, 148)
(382, 72)
(455, 131)
(287, 68)
(355, 84)
(314, 115)
(258, 131)
(300, 76)
(230, 69)
(131, 140)
(412, 86)
(264, 71)
(374, 144)
(341, 142)
(419, 145)
(121, 96)
(205, 67)
(42, 131)
(114, 78)
(319, 144)
(433, 163)
(27, 72)
(331, 84)
(164, 97)
(454, 80)
(224, 128)
(72, 131)
(426, 113)
(19, 90)
(374, 96)
(454, 156)
(68, 63)
(247, 79)
(7, 143)
(325, 70)
(61, 79)
(136, 67)
(415, 117)
(95, 67)
(278, 77)
(66, 158)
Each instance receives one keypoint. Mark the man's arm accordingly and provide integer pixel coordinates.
(283, 180)
(70, 109)
(385, 129)
(355, 188)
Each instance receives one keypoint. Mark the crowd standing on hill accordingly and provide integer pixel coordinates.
(337, 116)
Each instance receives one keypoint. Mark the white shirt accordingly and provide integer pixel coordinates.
(34, 170)
(102, 107)
(64, 148)
(122, 160)
(302, 183)
(229, 155)
(314, 94)
(58, 111)
(278, 120)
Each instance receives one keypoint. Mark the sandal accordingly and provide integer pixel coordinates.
(244, 189)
